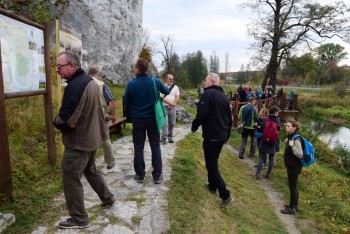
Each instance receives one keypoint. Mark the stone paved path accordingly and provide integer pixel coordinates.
(141, 208)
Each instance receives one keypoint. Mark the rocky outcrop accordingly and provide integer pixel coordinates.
(111, 33)
(6, 220)
(182, 115)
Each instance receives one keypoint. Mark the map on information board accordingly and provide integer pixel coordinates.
(22, 54)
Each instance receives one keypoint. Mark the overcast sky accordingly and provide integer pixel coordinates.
(204, 25)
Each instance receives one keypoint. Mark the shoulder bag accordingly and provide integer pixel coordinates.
(159, 111)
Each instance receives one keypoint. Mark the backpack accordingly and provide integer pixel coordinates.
(308, 151)
(270, 132)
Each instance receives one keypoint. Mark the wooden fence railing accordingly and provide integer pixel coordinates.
(280, 101)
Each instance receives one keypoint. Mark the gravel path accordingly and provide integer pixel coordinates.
(141, 208)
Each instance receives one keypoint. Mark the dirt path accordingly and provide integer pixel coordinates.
(273, 196)
(141, 208)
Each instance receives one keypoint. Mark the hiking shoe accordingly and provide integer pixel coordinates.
(268, 176)
(212, 191)
(139, 179)
(158, 180)
(70, 224)
(110, 167)
(288, 210)
(163, 140)
(241, 156)
(110, 204)
(257, 176)
(287, 206)
(226, 202)
(170, 140)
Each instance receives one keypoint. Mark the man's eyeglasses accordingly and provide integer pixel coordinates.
(59, 66)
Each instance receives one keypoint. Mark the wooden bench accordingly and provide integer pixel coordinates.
(116, 127)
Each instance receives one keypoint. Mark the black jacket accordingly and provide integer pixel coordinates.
(214, 114)
(290, 160)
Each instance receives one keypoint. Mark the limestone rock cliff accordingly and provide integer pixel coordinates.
(111, 33)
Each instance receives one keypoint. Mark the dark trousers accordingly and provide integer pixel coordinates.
(248, 132)
(212, 151)
(139, 130)
(293, 174)
(75, 163)
(262, 161)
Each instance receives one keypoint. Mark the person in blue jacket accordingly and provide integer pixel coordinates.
(139, 99)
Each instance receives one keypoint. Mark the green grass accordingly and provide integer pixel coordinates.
(35, 181)
(324, 190)
(193, 209)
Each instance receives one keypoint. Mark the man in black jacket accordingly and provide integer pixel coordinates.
(215, 116)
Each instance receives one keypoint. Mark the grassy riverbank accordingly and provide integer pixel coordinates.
(324, 188)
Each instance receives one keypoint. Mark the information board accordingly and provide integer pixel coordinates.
(22, 54)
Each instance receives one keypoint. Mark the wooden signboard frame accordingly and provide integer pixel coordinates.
(6, 186)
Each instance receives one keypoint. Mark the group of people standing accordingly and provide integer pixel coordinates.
(88, 105)
(267, 120)
(87, 108)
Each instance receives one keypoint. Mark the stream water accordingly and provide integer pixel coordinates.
(330, 133)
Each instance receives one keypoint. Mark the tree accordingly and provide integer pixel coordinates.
(227, 66)
(147, 51)
(195, 66)
(240, 75)
(285, 25)
(330, 52)
(37, 11)
(168, 45)
(214, 63)
(300, 66)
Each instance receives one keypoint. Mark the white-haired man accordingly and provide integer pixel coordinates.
(215, 116)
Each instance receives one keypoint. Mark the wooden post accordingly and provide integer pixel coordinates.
(6, 186)
(235, 114)
(50, 133)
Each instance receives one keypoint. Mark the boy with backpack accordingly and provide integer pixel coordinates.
(270, 141)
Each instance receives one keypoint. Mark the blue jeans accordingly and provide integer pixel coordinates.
(212, 151)
(140, 127)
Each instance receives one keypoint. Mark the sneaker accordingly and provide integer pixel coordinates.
(226, 202)
(268, 176)
(287, 206)
(288, 210)
(158, 180)
(163, 140)
(70, 224)
(170, 140)
(139, 179)
(110, 167)
(212, 191)
(241, 156)
(257, 176)
(109, 204)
